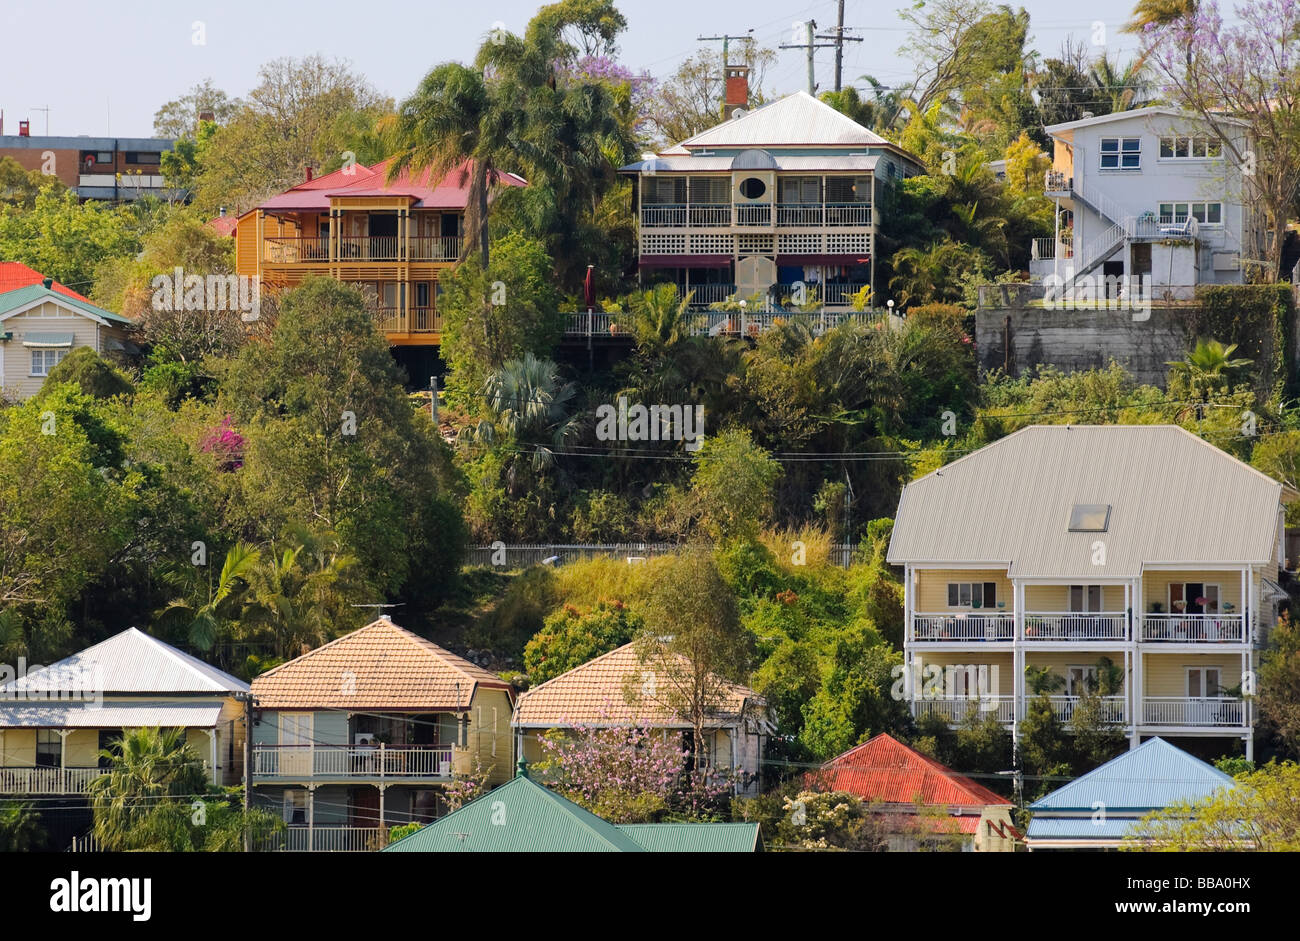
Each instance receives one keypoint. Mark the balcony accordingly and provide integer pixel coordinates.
(413, 320)
(762, 215)
(311, 250)
(1113, 708)
(1056, 184)
(1196, 712)
(329, 839)
(1073, 626)
(352, 762)
(955, 709)
(718, 323)
(47, 780)
(974, 627)
(1194, 628)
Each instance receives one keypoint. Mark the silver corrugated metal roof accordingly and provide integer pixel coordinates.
(129, 662)
(688, 164)
(1151, 776)
(83, 715)
(1174, 498)
(797, 120)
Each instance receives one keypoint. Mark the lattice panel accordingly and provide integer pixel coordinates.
(754, 245)
(799, 244)
(663, 244)
(848, 243)
(712, 244)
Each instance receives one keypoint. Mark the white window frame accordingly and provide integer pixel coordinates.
(1203, 677)
(46, 366)
(1211, 147)
(1085, 592)
(1085, 671)
(970, 588)
(1190, 207)
(1121, 151)
(1205, 589)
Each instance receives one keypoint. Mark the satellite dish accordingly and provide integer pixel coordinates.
(1086, 114)
(738, 113)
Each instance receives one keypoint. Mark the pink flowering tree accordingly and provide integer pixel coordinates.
(468, 786)
(631, 775)
(1242, 79)
(225, 444)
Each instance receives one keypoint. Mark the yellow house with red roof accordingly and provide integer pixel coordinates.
(391, 238)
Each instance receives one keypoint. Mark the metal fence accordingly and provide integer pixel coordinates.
(501, 555)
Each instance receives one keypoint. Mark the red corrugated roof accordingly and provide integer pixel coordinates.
(224, 225)
(15, 275)
(884, 769)
(451, 191)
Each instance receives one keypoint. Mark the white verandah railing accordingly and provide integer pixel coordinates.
(1193, 628)
(356, 761)
(1074, 625)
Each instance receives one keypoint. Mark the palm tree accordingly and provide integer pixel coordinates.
(20, 827)
(453, 122)
(297, 595)
(1118, 87)
(1159, 13)
(659, 318)
(528, 400)
(1208, 368)
(142, 801)
(204, 621)
(1042, 681)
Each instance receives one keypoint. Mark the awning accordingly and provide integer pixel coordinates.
(114, 345)
(110, 715)
(1273, 591)
(48, 339)
(685, 261)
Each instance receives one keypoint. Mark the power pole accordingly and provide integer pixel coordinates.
(810, 28)
(726, 44)
(840, 39)
(247, 699)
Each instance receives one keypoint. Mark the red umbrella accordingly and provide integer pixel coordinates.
(589, 287)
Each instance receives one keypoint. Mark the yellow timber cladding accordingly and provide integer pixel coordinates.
(1182, 653)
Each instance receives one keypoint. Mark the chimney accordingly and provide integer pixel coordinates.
(736, 94)
(309, 174)
(24, 128)
(221, 212)
(206, 116)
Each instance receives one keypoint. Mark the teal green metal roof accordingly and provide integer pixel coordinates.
(695, 837)
(23, 296)
(1150, 777)
(519, 817)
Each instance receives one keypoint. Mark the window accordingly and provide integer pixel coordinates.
(801, 189)
(665, 189)
(1080, 679)
(421, 293)
(144, 158)
(45, 360)
(972, 594)
(752, 188)
(1204, 682)
(1089, 517)
(710, 190)
(1086, 598)
(1121, 153)
(295, 728)
(49, 748)
(1196, 597)
(848, 189)
(1204, 213)
(1190, 148)
(295, 806)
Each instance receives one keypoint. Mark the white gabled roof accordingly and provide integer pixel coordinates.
(1173, 498)
(797, 120)
(129, 662)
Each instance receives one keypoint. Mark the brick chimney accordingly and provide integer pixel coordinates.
(309, 172)
(736, 94)
(24, 128)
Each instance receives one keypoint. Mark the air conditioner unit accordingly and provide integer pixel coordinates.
(363, 738)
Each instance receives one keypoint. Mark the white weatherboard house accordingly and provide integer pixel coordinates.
(39, 326)
(1082, 549)
(1151, 191)
(787, 193)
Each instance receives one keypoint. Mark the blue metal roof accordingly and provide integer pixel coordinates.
(1151, 776)
(1112, 829)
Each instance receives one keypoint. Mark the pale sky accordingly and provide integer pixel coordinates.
(104, 68)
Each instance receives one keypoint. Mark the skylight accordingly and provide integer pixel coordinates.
(1089, 517)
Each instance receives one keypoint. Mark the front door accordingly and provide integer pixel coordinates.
(295, 744)
(383, 236)
(363, 807)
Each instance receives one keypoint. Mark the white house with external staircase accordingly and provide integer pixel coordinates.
(1152, 191)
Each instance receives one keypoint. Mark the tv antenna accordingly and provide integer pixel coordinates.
(46, 109)
(379, 608)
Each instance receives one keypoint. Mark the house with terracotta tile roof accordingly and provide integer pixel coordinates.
(393, 238)
(920, 794)
(42, 321)
(620, 689)
(367, 731)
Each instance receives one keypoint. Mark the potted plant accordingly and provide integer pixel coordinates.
(1156, 607)
(1180, 606)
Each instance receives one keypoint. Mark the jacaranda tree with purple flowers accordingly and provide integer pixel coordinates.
(1242, 78)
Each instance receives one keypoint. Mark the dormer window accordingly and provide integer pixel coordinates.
(1089, 517)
